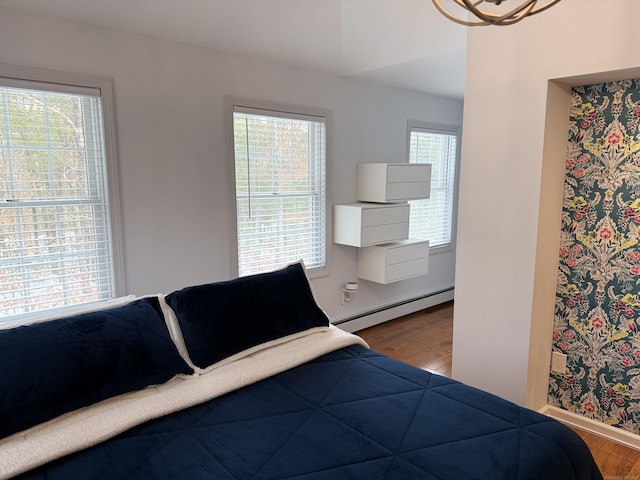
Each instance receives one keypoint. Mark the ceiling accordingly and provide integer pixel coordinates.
(401, 43)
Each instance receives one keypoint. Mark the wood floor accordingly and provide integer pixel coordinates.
(424, 339)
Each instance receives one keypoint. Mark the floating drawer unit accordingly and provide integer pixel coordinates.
(393, 261)
(393, 182)
(379, 223)
(362, 224)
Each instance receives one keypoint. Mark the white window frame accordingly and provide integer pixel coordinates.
(43, 79)
(430, 127)
(285, 111)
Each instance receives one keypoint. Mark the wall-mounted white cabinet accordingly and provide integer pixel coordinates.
(393, 182)
(393, 261)
(362, 224)
(379, 223)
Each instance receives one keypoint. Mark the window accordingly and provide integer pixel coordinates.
(280, 163)
(432, 219)
(55, 225)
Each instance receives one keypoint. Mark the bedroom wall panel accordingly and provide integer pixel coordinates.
(596, 309)
(505, 292)
(173, 159)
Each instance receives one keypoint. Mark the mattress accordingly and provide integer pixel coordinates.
(351, 413)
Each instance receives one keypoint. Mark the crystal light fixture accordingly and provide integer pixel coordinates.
(495, 15)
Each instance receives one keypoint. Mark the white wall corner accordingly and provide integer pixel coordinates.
(548, 241)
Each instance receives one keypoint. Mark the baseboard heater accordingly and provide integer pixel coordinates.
(395, 310)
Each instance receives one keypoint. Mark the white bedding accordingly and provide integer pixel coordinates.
(94, 424)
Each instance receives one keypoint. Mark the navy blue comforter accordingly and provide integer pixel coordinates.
(350, 414)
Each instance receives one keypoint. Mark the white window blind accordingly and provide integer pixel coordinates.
(432, 219)
(55, 244)
(280, 163)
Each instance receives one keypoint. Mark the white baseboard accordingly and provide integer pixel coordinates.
(608, 432)
(369, 319)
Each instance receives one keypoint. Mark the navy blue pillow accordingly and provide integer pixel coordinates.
(54, 367)
(220, 319)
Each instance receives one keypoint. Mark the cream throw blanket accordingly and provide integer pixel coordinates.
(94, 424)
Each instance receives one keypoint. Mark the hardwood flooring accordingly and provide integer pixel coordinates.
(424, 339)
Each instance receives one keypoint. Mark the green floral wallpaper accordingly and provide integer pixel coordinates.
(597, 308)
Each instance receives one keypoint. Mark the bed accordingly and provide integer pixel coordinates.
(188, 386)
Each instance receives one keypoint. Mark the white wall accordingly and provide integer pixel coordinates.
(173, 160)
(515, 130)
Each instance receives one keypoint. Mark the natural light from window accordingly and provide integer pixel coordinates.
(55, 245)
(432, 219)
(280, 189)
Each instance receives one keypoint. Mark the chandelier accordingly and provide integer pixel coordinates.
(495, 15)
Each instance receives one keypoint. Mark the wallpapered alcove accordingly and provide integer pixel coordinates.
(597, 306)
